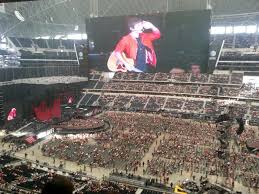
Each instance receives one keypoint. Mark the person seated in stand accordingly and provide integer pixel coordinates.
(177, 70)
(195, 69)
(138, 45)
(192, 68)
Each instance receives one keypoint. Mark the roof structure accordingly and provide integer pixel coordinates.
(47, 17)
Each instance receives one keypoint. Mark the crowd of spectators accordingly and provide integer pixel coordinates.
(234, 78)
(91, 84)
(173, 88)
(115, 86)
(99, 85)
(210, 107)
(186, 149)
(131, 76)
(219, 78)
(6, 159)
(129, 82)
(162, 76)
(106, 187)
(118, 76)
(15, 124)
(216, 85)
(22, 178)
(15, 143)
(239, 110)
(208, 90)
(194, 105)
(155, 103)
(16, 177)
(35, 127)
(146, 76)
(88, 123)
(138, 102)
(150, 192)
(151, 87)
(134, 86)
(122, 147)
(120, 102)
(229, 91)
(254, 112)
(152, 103)
(181, 77)
(174, 103)
(202, 78)
(212, 90)
(89, 99)
(106, 100)
(182, 148)
(249, 91)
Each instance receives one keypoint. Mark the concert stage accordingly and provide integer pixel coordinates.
(36, 94)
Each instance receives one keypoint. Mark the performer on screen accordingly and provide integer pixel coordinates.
(138, 45)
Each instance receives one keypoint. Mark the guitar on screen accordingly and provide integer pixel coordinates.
(116, 65)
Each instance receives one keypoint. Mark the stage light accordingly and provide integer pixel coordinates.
(76, 27)
(19, 16)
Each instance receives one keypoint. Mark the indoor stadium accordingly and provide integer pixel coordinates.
(129, 97)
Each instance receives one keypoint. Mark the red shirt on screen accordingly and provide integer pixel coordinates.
(129, 46)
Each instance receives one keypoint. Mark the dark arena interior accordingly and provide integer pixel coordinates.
(129, 96)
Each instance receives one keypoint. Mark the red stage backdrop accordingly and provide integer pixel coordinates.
(45, 113)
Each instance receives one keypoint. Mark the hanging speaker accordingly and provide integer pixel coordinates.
(82, 58)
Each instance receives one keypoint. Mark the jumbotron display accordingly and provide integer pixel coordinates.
(169, 42)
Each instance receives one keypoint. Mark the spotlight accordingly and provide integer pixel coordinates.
(19, 15)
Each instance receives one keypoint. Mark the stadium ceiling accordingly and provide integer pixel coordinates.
(50, 17)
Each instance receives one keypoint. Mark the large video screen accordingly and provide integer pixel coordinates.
(169, 42)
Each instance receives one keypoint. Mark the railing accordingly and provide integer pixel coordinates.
(9, 74)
